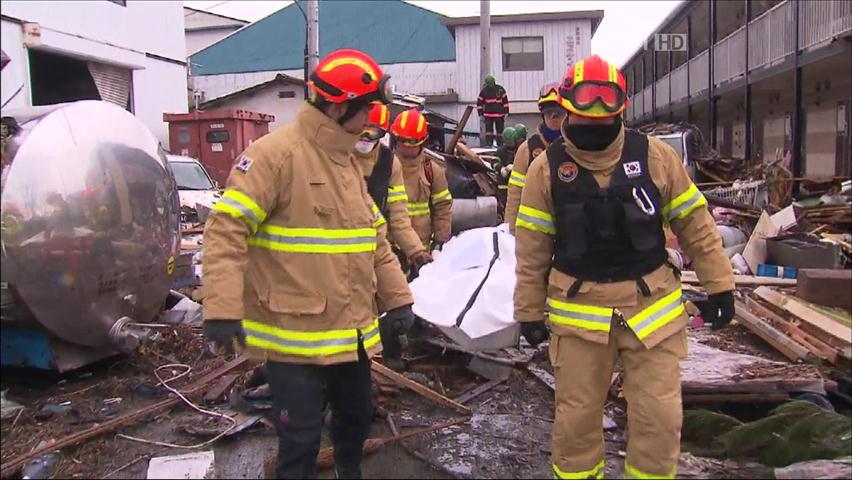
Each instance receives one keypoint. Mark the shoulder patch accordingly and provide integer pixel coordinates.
(244, 163)
(537, 152)
(632, 169)
(568, 172)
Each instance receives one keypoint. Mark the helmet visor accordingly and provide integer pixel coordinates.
(584, 95)
(373, 132)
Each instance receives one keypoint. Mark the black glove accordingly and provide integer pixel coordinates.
(719, 309)
(535, 332)
(436, 245)
(223, 332)
(401, 319)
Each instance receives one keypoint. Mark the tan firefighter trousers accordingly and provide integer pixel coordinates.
(583, 372)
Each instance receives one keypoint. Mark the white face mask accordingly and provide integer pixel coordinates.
(365, 146)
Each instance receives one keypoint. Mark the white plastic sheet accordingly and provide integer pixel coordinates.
(445, 286)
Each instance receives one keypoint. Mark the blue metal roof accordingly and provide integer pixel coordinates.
(390, 31)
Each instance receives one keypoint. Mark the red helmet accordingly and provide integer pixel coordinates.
(593, 88)
(346, 75)
(380, 117)
(410, 127)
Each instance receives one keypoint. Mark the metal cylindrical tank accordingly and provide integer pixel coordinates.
(90, 215)
(476, 212)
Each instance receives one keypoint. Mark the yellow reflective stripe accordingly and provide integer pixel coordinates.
(416, 209)
(535, 220)
(404, 119)
(378, 218)
(577, 315)
(442, 196)
(658, 314)
(578, 72)
(350, 61)
(596, 472)
(397, 193)
(310, 344)
(613, 74)
(517, 179)
(633, 472)
(684, 204)
(239, 205)
(314, 240)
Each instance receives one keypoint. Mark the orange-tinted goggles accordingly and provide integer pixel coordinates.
(372, 132)
(584, 95)
(411, 142)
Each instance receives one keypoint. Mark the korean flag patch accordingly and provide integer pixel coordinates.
(244, 164)
(632, 169)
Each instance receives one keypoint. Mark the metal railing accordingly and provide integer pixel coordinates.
(680, 88)
(729, 57)
(821, 21)
(771, 36)
(699, 69)
(662, 98)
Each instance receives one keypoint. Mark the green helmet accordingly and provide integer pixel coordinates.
(510, 135)
(520, 131)
(489, 80)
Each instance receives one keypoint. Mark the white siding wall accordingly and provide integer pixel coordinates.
(108, 33)
(519, 85)
(200, 39)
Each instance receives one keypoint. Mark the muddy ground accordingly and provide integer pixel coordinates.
(508, 435)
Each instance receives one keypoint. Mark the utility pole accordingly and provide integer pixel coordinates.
(313, 35)
(484, 53)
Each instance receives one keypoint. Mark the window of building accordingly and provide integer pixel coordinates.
(523, 53)
(123, 3)
(218, 136)
(286, 94)
(59, 79)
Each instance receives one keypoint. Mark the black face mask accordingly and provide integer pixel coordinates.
(593, 138)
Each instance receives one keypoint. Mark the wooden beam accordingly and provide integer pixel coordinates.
(807, 315)
(689, 277)
(813, 344)
(736, 397)
(770, 334)
(451, 147)
(418, 388)
(468, 396)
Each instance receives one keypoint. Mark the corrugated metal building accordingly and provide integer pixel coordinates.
(779, 78)
(203, 29)
(425, 53)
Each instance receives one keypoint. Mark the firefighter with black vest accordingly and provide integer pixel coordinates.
(552, 115)
(294, 258)
(383, 173)
(591, 253)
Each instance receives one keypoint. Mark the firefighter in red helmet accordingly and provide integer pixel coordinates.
(294, 259)
(592, 260)
(429, 200)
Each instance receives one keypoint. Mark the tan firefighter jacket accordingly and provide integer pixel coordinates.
(430, 205)
(292, 248)
(588, 315)
(518, 177)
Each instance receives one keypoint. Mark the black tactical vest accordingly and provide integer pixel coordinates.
(379, 179)
(607, 234)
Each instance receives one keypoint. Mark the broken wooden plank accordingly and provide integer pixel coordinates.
(475, 392)
(818, 320)
(816, 346)
(758, 385)
(543, 375)
(736, 398)
(418, 388)
(220, 388)
(822, 286)
(784, 344)
(456, 348)
(689, 277)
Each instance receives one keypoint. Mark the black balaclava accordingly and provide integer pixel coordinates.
(593, 138)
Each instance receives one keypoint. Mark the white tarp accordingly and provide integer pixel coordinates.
(446, 286)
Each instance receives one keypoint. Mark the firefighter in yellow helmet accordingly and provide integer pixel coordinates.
(383, 174)
(591, 252)
(429, 201)
(552, 115)
(293, 262)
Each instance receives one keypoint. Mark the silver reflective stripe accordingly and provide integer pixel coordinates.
(581, 316)
(314, 240)
(656, 316)
(695, 198)
(536, 221)
(397, 194)
(242, 208)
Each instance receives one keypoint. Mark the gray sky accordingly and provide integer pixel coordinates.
(625, 25)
